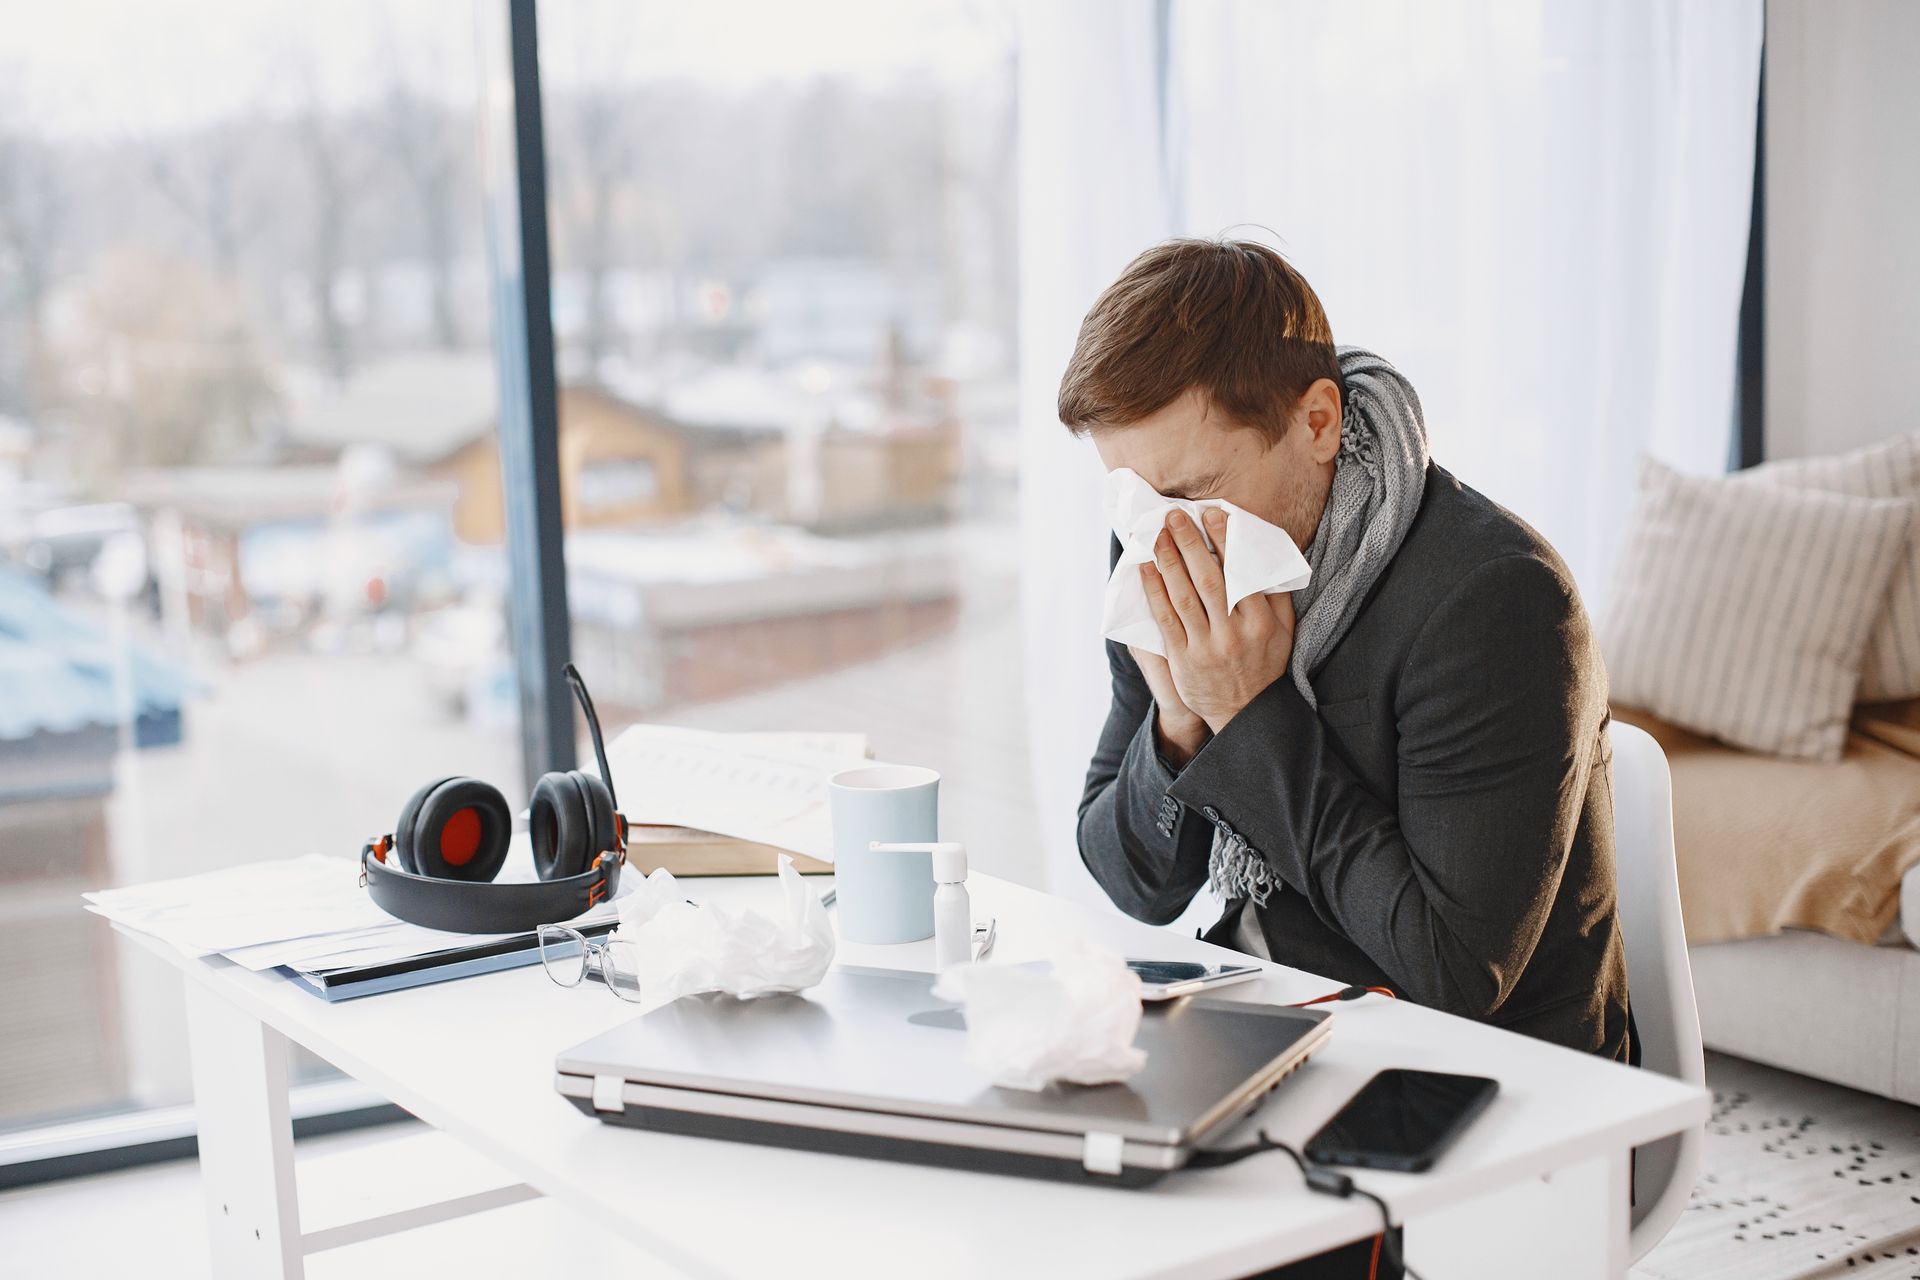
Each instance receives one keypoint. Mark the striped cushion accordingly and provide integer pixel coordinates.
(1742, 610)
(1891, 669)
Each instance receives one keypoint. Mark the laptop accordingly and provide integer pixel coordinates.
(870, 1063)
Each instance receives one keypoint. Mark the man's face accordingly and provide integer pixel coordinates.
(1188, 450)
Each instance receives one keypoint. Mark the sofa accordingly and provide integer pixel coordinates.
(1800, 882)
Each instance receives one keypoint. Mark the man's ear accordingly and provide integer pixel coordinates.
(1319, 413)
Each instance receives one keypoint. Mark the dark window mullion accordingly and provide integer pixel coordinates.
(529, 410)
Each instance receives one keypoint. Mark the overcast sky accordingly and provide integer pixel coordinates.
(125, 67)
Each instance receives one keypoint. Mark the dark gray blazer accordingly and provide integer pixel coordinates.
(1443, 824)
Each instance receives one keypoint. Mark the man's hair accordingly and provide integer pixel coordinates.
(1229, 317)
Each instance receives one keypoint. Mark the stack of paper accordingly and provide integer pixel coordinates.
(310, 914)
(767, 787)
(243, 906)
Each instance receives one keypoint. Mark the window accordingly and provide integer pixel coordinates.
(784, 275)
(245, 386)
(252, 561)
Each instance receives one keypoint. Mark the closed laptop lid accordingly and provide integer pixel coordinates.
(878, 1040)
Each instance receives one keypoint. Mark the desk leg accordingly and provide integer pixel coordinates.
(1571, 1225)
(246, 1140)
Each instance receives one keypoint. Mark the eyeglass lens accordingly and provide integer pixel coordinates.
(563, 953)
(614, 964)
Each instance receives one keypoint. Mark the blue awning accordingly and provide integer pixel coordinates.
(57, 672)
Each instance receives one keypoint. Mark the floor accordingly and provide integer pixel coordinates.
(148, 1222)
(1801, 1180)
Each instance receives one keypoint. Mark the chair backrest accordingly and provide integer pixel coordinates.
(1658, 972)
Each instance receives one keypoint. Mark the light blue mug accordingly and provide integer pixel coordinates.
(883, 897)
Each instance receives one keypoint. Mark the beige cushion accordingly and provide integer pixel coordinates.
(1891, 668)
(1741, 610)
(1767, 844)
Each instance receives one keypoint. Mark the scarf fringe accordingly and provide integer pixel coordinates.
(1235, 870)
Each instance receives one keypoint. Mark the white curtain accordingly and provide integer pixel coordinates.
(1537, 210)
(1092, 195)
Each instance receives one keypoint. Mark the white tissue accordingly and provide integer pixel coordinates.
(1260, 556)
(1028, 1026)
(680, 949)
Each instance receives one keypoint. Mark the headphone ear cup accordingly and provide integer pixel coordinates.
(575, 858)
(463, 831)
(559, 826)
(606, 833)
(403, 829)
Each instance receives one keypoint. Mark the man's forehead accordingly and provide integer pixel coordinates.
(1191, 478)
(1179, 459)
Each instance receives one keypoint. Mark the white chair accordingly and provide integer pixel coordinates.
(1658, 973)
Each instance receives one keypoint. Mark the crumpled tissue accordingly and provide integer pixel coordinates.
(1030, 1025)
(681, 949)
(1260, 556)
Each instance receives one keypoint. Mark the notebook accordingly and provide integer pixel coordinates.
(334, 985)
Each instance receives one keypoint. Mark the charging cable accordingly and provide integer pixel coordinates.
(1345, 993)
(1321, 1179)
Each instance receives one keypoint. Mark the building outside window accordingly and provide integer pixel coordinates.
(252, 568)
(784, 273)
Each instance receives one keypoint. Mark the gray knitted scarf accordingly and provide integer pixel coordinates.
(1378, 478)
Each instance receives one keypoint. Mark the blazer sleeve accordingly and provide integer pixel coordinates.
(1449, 889)
(1141, 845)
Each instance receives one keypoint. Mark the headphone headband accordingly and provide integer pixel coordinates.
(593, 727)
(460, 906)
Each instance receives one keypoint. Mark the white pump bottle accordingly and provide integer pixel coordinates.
(952, 907)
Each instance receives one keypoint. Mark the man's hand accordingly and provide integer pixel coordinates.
(1181, 733)
(1218, 660)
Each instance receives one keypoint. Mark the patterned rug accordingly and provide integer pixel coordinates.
(1799, 1179)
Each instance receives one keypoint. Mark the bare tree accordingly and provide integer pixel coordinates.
(985, 177)
(32, 228)
(205, 178)
(602, 143)
(601, 128)
(187, 381)
(332, 179)
(426, 156)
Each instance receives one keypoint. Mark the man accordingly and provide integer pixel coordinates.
(1397, 776)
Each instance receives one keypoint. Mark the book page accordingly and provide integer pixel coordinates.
(767, 787)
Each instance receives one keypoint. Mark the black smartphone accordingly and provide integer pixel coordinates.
(1402, 1120)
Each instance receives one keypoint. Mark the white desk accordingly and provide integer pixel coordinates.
(1536, 1187)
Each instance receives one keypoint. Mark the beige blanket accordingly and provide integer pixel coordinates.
(1767, 844)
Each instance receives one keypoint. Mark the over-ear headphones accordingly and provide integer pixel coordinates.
(435, 868)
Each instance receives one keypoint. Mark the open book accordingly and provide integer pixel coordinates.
(708, 803)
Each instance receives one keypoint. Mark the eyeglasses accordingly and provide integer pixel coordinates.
(569, 955)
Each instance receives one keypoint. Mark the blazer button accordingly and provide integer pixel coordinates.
(1211, 814)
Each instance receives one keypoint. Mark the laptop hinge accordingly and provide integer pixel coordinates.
(609, 1093)
(1101, 1154)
